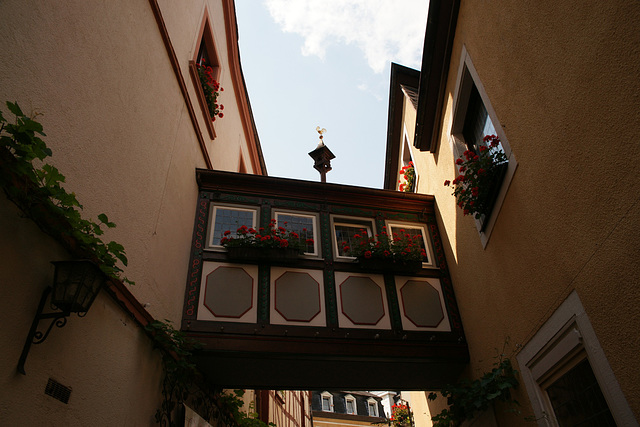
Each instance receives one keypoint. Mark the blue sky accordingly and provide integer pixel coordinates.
(326, 63)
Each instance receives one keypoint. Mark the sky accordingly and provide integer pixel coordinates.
(326, 63)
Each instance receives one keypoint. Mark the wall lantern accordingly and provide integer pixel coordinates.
(75, 285)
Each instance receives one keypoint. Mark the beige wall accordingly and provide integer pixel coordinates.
(563, 81)
(118, 125)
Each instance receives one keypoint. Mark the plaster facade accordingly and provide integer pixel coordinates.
(110, 84)
(560, 83)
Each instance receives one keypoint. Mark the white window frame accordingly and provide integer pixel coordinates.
(567, 333)
(212, 217)
(372, 403)
(425, 236)
(350, 399)
(314, 218)
(468, 77)
(366, 223)
(406, 156)
(326, 395)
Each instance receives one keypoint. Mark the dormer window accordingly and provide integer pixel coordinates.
(372, 406)
(350, 405)
(327, 401)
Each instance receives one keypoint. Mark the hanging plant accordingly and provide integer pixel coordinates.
(272, 237)
(481, 173)
(37, 189)
(466, 399)
(408, 184)
(211, 89)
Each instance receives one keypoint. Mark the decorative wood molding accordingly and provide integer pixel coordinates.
(337, 194)
(242, 97)
(175, 64)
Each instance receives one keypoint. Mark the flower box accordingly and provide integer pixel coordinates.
(389, 265)
(249, 253)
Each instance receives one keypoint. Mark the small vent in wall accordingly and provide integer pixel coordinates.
(58, 391)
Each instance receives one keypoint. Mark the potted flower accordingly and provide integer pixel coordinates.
(398, 252)
(481, 174)
(401, 416)
(211, 89)
(409, 174)
(272, 243)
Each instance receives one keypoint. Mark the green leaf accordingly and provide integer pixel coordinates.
(15, 109)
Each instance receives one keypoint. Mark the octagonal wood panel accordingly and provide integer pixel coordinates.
(422, 305)
(297, 296)
(361, 300)
(229, 292)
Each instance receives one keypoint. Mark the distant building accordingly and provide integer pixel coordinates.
(346, 408)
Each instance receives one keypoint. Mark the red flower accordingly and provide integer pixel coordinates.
(345, 248)
(220, 115)
(459, 161)
(226, 233)
(284, 243)
(447, 182)
(309, 241)
(367, 254)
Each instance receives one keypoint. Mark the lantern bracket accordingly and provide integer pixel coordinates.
(35, 336)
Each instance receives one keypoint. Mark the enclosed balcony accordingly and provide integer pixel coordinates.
(319, 317)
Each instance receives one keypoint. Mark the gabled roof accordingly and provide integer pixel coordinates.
(438, 42)
(404, 80)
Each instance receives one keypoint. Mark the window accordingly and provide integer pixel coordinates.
(350, 404)
(372, 406)
(345, 230)
(230, 218)
(414, 230)
(577, 400)
(407, 181)
(205, 54)
(327, 401)
(302, 224)
(474, 118)
(567, 375)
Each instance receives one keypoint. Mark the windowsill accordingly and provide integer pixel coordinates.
(195, 78)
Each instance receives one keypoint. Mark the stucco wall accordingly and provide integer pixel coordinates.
(563, 81)
(100, 77)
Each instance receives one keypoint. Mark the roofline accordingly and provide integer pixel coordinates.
(438, 44)
(237, 77)
(408, 77)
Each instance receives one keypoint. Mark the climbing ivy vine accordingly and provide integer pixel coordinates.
(467, 399)
(183, 383)
(36, 187)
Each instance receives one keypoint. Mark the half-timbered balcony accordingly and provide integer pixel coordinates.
(319, 319)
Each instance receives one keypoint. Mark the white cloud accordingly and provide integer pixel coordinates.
(384, 30)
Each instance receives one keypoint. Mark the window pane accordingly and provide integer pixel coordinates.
(303, 225)
(413, 232)
(373, 410)
(577, 400)
(326, 404)
(345, 234)
(351, 407)
(230, 219)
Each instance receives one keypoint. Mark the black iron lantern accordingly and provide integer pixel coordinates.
(75, 285)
